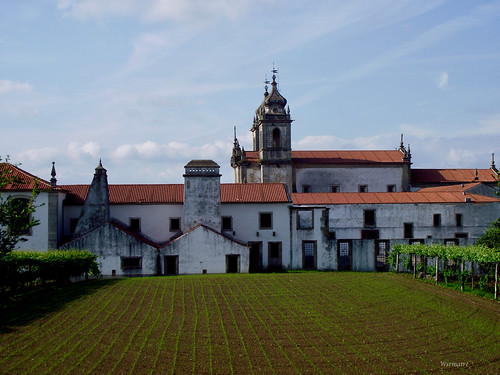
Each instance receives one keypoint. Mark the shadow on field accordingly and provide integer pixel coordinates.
(20, 308)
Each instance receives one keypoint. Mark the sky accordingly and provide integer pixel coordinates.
(148, 85)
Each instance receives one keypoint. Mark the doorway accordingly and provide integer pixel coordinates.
(344, 253)
(309, 255)
(232, 263)
(171, 265)
(255, 257)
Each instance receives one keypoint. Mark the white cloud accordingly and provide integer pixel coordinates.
(7, 86)
(39, 155)
(77, 150)
(442, 80)
(173, 150)
(317, 142)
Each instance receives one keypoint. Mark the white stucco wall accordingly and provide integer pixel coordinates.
(202, 250)
(348, 178)
(155, 218)
(246, 226)
(38, 238)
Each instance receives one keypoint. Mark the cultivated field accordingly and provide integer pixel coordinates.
(311, 322)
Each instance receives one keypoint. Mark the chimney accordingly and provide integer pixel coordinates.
(202, 195)
(95, 211)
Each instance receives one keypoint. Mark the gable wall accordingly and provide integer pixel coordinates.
(203, 251)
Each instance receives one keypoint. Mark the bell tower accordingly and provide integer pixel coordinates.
(272, 139)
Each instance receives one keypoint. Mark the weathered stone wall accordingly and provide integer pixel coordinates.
(281, 173)
(111, 244)
(347, 220)
(348, 178)
(202, 200)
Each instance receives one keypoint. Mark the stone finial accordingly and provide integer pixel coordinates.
(53, 180)
(492, 166)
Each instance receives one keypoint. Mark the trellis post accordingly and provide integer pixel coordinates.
(472, 275)
(462, 281)
(496, 281)
(397, 261)
(437, 269)
(414, 266)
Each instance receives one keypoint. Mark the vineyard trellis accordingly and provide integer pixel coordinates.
(479, 254)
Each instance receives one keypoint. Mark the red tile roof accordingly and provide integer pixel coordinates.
(253, 193)
(130, 194)
(339, 157)
(174, 193)
(387, 198)
(165, 193)
(26, 181)
(430, 176)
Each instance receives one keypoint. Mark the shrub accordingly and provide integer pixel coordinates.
(19, 268)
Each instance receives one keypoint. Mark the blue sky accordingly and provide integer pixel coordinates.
(148, 85)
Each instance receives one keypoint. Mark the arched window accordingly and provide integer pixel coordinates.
(276, 138)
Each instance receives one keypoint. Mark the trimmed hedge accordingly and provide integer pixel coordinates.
(19, 268)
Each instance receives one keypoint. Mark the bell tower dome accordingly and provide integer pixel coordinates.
(272, 136)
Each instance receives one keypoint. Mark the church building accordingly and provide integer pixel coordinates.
(287, 209)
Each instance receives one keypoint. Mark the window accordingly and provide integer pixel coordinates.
(334, 188)
(227, 223)
(134, 224)
(416, 240)
(363, 188)
(450, 241)
(408, 230)
(437, 220)
(175, 224)
(266, 220)
(306, 188)
(276, 138)
(130, 263)
(305, 219)
(391, 188)
(369, 218)
(459, 219)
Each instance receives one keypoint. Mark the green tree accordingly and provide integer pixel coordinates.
(491, 237)
(16, 215)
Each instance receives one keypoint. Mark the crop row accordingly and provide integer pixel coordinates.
(259, 324)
